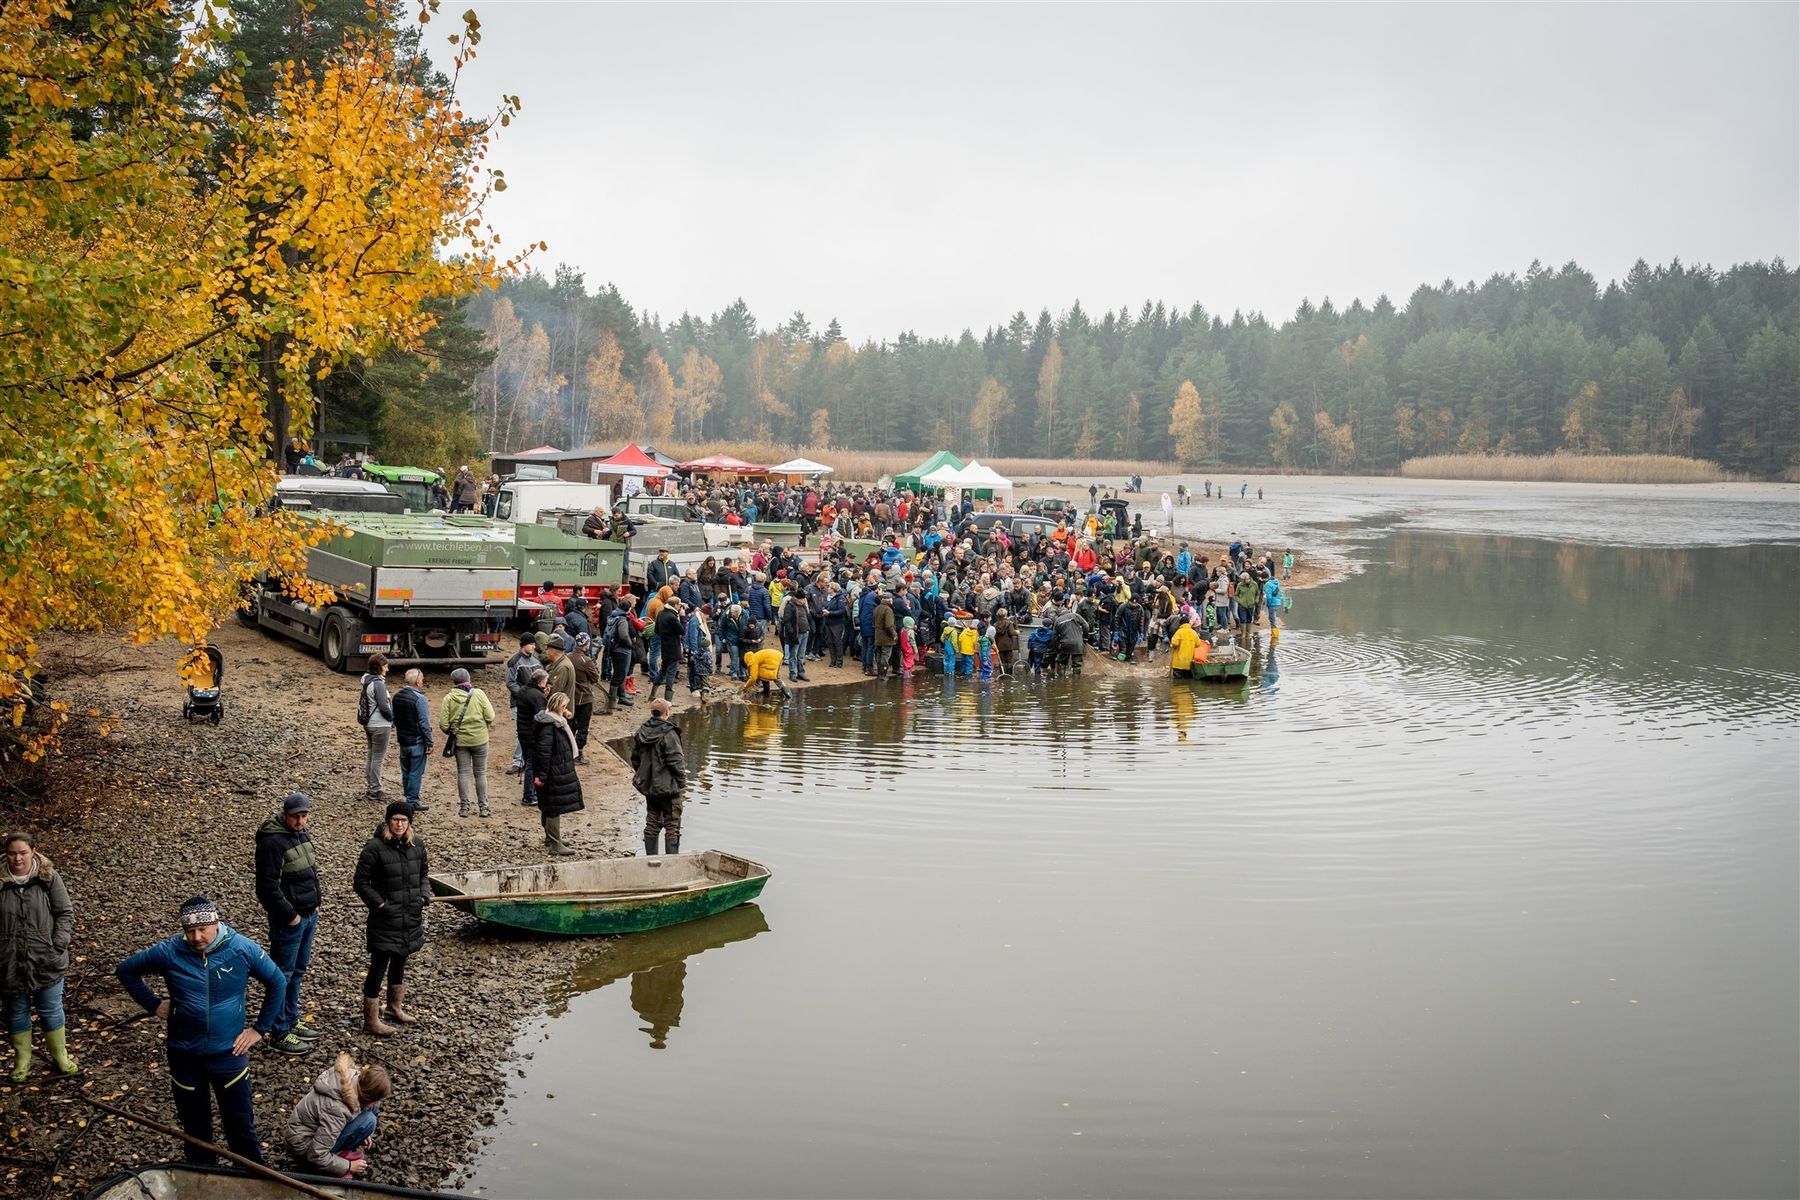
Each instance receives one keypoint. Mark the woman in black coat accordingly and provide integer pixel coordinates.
(553, 762)
(393, 879)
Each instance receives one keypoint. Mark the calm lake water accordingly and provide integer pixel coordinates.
(1486, 886)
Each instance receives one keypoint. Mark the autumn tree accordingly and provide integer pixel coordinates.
(613, 414)
(143, 268)
(1187, 426)
(1284, 425)
(656, 398)
(1049, 391)
(821, 428)
(702, 384)
(992, 409)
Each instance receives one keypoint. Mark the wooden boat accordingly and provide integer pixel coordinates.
(605, 895)
(1223, 668)
(184, 1181)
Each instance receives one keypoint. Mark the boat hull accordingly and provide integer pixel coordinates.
(1222, 672)
(701, 886)
(186, 1181)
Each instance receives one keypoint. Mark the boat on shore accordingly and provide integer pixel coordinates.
(186, 1181)
(603, 896)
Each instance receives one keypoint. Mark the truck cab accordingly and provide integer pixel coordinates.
(412, 484)
(521, 500)
(326, 494)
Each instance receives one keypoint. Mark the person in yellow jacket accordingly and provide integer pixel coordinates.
(1181, 650)
(765, 668)
(967, 642)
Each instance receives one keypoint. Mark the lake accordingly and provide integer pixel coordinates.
(1486, 884)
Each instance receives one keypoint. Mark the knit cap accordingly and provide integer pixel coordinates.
(398, 808)
(197, 911)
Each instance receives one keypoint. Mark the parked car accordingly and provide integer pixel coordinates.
(1049, 506)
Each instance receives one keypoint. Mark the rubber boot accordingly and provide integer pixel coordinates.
(58, 1041)
(396, 1001)
(671, 842)
(650, 840)
(372, 1018)
(21, 1044)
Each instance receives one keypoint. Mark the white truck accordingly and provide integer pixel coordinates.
(523, 499)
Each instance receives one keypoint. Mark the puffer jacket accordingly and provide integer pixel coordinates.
(36, 923)
(314, 1125)
(392, 879)
(658, 763)
(207, 988)
(287, 874)
(558, 787)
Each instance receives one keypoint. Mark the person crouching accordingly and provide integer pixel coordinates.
(332, 1126)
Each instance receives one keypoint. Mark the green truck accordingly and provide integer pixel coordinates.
(412, 484)
(427, 590)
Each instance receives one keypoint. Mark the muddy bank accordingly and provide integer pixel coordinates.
(158, 809)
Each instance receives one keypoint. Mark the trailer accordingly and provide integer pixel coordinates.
(424, 590)
(577, 566)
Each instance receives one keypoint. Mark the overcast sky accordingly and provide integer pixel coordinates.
(939, 167)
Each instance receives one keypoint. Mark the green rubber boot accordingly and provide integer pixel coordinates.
(58, 1041)
(21, 1044)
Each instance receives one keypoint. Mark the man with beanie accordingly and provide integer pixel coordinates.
(561, 669)
(287, 886)
(520, 664)
(659, 773)
(207, 970)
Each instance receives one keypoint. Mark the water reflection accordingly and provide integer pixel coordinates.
(657, 963)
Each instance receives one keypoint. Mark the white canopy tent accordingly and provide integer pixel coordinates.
(972, 477)
(800, 466)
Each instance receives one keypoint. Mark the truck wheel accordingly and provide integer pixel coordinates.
(249, 613)
(336, 640)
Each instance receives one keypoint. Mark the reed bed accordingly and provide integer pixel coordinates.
(869, 465)
(1565, 468)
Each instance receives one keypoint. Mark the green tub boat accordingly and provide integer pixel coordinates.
(1216, 670)
(601, 896)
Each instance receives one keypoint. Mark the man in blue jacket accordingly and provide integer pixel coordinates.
(207, 971)
(865, 621)
(762, 608)
(412, 726)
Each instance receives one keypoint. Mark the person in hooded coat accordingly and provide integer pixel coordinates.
(659, 773)
(558, 785)
(37, 922)
(333, 1123)
(393, 880)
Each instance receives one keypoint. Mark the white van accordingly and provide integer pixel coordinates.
(521, 500)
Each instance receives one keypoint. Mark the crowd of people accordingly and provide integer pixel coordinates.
(938, 583)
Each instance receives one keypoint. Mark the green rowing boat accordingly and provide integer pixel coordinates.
(1217, 670)
(601, 896)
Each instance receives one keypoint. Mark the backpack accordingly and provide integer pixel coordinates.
(365, 707)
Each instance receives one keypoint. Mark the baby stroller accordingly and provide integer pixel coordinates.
(202, 671)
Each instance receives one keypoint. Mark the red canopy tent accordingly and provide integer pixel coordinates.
(722, 464)
(631, 461)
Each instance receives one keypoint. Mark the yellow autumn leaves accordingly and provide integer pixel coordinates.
(173, 267)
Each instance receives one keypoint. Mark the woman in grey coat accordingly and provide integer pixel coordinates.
(375, 710)
(37, 923)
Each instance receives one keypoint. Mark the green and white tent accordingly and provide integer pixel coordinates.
(910, 479)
